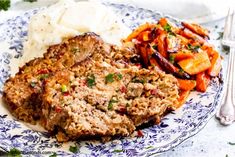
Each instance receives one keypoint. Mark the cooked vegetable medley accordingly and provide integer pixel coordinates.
(180, 50)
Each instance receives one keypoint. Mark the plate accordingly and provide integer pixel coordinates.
(173, 129)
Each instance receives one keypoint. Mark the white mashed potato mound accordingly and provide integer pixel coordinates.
(67, 19)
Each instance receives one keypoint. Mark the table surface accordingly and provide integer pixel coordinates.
(212, 140)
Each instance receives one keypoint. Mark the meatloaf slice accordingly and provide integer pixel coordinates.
(104, 96)
(22, 92)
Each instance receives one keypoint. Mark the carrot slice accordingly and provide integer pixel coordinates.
(199, 63)
(208, 48)
(161, 44)
(190, 35)
(181, 55)
(154, 63)
(143, 54)
(137, 31)
(144, 36)
(215, 65)
(183, 95)
(186, 84)
(196, 29)
(203, 81)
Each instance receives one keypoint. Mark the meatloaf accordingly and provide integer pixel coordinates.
(85, 87)
(22, 92)
(104, 96)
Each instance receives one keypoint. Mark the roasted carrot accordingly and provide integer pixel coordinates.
(203, 81)
(161, 44)
(190, 35)
(208, 48)
(183, 95)
(199, 63)
(181, 55)
(196, 29)
(168, 26)
(143, 54)
(141, 28)
(215, 65)
(144, 36)
(154, 63)
(169, 67)
(186, 84)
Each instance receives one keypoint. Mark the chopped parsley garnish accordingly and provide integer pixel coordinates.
(73, 149)
(231, 143)
(109, 78)
(43, 76)
(137, 80)
(75, 50)
(155, 47)
(53, 155)
(117, 151)
(14, 152)
(33, 84)
(181, 71)
(167, 28)
(119, 76)
(91, 80)
(110, 105)
(64, 88)
(193, 48)
(5, 4)
(172, 59)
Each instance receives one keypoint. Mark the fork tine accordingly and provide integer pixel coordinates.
(227, 26)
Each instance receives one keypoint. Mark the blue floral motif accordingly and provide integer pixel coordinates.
(174, 128)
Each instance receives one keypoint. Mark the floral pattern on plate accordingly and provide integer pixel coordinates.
(174, 128)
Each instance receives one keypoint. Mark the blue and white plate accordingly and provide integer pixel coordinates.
(174, 128)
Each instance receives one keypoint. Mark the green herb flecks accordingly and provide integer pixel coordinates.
(64, 88)
(73, 149)
(231, 143)
(91, 80)
(5, 4)
(33, 84)
(137, 80)
(193, 48)
(167, 28)
(14, 153)
(111, 102)
(53, 155)
(172, 59)
(181, 71)
(117, 151)
(226, 155)
(43, 76)
(119, 76)
(75, 50)
(155, 47)
(109, 78)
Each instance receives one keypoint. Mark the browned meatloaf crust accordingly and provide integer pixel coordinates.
(85, 87)
(22, 92)
(104, 96)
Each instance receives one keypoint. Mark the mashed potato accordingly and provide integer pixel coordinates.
(67, 19)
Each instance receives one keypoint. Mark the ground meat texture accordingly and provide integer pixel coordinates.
(85, 88)
(22, 92)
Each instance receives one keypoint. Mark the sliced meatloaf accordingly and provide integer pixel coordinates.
(105, 96)
(22, 92)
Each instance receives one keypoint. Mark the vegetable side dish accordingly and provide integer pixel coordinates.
(179, 50)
